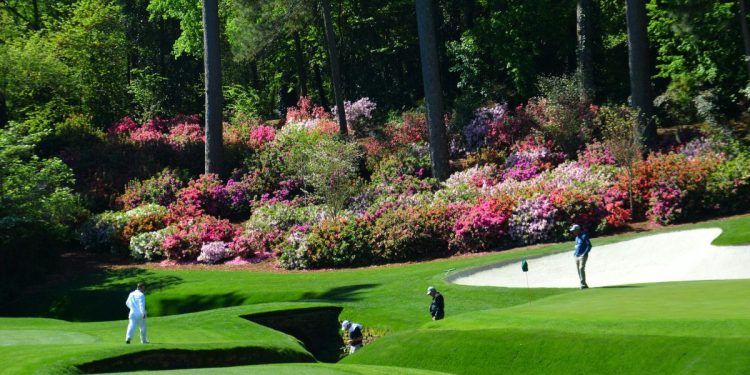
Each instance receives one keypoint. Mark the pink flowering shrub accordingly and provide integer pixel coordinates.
(305, 110)
(484, 226)
(665, 205)
(261, 136)
(596, 154)
(530, 158)
(497, 127)
(204, 195)
(533, 221)
(214, 252)
(184, 134)
(189, 236)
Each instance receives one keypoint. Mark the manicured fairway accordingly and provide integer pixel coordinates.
(696, 327)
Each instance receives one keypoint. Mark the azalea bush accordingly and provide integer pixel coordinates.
(359, 116)
(148, 246)
(160, 189)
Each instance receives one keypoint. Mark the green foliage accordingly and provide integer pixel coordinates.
(328, 166)
(699, 48)
(33, 189)
(148, 91)
(37, 207)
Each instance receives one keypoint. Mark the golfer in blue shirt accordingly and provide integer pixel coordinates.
(583, 246)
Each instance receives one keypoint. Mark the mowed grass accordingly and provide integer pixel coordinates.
(642, 329)
(695, 327)
(33, 345)
(296, 369)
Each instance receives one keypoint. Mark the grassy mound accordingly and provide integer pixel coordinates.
(210, 338)
(298, 368)
(697, 327)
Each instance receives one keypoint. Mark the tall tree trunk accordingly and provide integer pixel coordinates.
(37, 18)
(319, 86)
(745, 33)
(212, 70)
(585, 40)
(640, 78)
(301, 67)
(3, 111)
(432, 90)
(333, 59)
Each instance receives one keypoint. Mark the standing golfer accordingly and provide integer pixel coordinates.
(437, 307)
(354, 332)
(583, 246)
(136, 302)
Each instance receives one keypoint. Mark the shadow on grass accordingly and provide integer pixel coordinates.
(98, 296)
(347, 293)
(199, 302)
(619, 287)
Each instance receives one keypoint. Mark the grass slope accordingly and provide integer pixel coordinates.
(487, 329)
(697, 327)
(32, 345)
(296, 369)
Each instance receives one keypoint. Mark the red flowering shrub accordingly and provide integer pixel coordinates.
(305, 110)
(411, 129)
(484, 226)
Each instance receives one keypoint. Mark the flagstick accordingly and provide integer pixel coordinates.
(528, 291)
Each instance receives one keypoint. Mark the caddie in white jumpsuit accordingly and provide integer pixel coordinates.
(136, 302)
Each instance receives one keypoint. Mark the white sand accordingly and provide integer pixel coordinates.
(676, 256)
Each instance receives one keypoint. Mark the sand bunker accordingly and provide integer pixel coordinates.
(676, 256)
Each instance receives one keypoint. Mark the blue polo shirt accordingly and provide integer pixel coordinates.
(583, 245)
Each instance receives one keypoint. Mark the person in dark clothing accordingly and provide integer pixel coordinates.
(581, 253)
(354, 332)
(437, 307)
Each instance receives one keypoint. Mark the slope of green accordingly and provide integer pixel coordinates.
(671, 327)
(734, 232)
(697, 327)
(48, 346)
(296, 369)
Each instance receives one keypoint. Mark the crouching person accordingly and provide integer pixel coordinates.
(354, 335)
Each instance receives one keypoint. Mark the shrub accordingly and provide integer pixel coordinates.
(412, 159)
(214, 252)
(160, 189)
(148, 246)
(186, 241)
(484, 226)
(411, 129)
(497, 127)
(533, 221)
(409, 233)
(147, 218)
(338, 242)
(359, 116)
(561, 115)
(104, 233)
(728, 186)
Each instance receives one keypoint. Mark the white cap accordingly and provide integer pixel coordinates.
(430, 290)
(574, 228)
(345, 325)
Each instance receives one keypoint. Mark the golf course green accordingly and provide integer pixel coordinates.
(197, 319)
